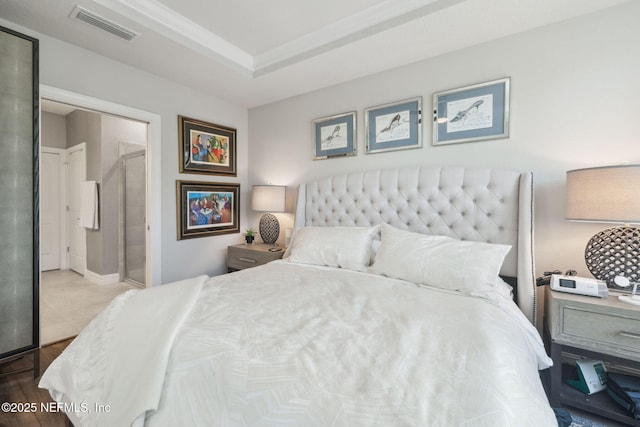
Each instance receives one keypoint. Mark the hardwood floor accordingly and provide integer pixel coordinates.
(22, 388)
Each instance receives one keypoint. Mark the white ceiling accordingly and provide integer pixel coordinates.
(254, 52)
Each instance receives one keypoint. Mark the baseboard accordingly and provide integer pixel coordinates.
(108, 279)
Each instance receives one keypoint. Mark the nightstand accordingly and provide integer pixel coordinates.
(244, 256)
(596, 328)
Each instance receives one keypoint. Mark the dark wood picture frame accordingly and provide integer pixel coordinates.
(206, 148)
(207, 208)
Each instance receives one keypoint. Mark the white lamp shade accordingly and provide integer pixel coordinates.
(604, 194)
(268, 198)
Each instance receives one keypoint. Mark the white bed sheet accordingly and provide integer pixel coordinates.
(286, 344)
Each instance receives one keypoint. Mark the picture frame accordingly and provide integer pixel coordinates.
(206, 148)
(394, 126)
(334, 136)
(207, 208)
(472, 113)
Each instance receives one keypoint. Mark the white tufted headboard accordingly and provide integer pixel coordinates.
(475, 204)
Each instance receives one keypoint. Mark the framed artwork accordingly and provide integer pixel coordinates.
(395, 126)
(334, 136)
(206, 148)
(472, 113)
(207, 208)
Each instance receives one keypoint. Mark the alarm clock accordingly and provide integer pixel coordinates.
(579, 285)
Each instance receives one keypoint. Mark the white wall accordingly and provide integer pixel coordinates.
(575, 102)
(68, 67)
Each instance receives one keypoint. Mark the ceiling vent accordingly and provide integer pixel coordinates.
(95, 20)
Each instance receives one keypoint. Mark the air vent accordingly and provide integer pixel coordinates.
(95, 20)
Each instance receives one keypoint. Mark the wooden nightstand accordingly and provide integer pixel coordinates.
(244, 256)
(597, 328)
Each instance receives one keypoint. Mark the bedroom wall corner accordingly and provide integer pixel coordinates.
(574, 96)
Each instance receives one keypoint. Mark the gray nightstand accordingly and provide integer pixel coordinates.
(244, 256)
(597, 328)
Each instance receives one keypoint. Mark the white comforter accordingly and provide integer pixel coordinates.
(287, 344)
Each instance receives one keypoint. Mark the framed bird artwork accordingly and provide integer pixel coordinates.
(334, 136)
(395, 126)
(472, 113)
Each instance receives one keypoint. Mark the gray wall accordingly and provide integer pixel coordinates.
(574, 104)
(86, 126)
(53, 130)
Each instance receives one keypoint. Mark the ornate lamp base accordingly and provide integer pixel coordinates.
(269, 228)
(614, 252)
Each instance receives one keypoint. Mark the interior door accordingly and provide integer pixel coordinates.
(50, 201)
(76, 242)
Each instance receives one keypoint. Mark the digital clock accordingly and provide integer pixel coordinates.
(579, 285)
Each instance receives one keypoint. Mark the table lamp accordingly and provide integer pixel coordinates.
(268, 198)
(609, 194)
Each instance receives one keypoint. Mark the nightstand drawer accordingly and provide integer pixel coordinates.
(604, 329)
(240, 257)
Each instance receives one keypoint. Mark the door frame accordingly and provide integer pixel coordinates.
(63, 262)
(153, 179)
(82, 147)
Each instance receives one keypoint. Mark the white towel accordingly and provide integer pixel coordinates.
(89, 205)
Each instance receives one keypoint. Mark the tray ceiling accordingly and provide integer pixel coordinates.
(256, 52)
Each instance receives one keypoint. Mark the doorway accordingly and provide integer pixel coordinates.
(153, 237)
(85, 296)
(62, 242)
(76, 172)
(94, 215)
(52, 241)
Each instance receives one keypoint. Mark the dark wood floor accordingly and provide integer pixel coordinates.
(23, 388)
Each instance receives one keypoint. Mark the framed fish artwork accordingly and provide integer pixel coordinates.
(334, 136)
(472, 113)
(395, 126)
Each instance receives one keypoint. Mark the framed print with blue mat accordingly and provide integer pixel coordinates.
(334, 136)
(471, 113)
(395, 126)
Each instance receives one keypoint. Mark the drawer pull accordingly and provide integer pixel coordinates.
(630, 335)
(253, 261)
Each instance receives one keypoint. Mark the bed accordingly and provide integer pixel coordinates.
(391, 306)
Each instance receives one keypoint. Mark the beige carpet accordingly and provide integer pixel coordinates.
(68, 302)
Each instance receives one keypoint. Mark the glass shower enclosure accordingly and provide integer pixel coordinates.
(133, 217)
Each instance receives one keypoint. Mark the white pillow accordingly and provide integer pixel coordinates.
(439, 261)
(345, 247)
